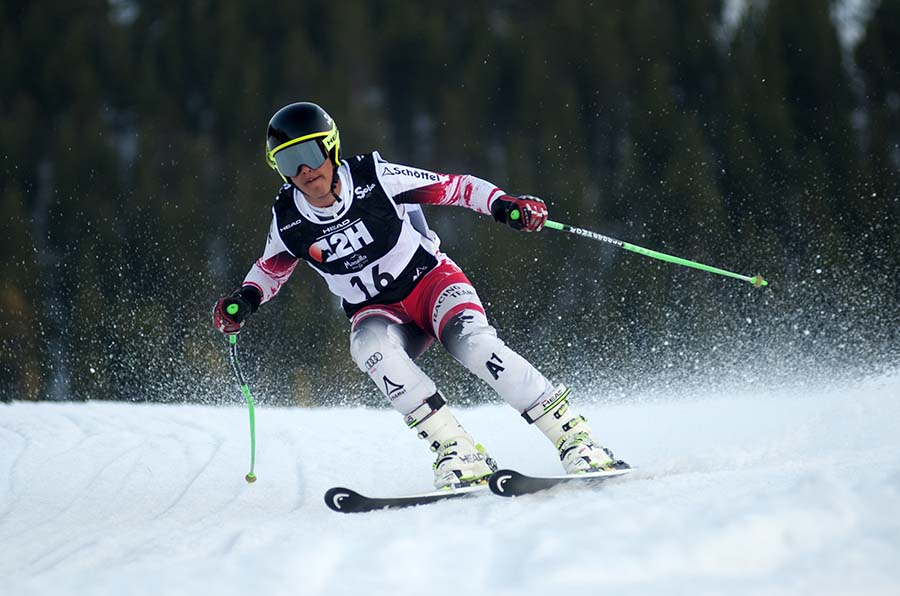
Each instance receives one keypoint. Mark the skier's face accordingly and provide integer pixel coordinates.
(316, 184)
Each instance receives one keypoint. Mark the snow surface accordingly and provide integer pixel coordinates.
(767, 492)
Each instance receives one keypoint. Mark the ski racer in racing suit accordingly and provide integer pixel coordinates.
(358, 223)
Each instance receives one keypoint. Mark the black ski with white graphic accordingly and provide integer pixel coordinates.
(509, 483)
(344, 500)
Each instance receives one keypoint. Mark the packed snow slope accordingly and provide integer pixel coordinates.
(767, 492)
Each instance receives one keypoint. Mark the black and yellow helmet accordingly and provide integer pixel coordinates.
(301, 134)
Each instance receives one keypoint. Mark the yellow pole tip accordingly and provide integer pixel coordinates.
(758, 281)
(250, 478)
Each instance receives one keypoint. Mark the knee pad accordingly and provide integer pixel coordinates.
(469, 338)
(379, 350)
(468, 335)
(368, 346)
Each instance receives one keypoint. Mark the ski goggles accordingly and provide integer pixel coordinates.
(310, 151)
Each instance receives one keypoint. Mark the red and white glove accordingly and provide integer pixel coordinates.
(525, 212)
(231, 311)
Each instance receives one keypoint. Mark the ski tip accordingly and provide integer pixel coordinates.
(498, 480)
(340, 499)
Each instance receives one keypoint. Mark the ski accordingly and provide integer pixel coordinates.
(509, 483)
(505, 483)
(344, 500)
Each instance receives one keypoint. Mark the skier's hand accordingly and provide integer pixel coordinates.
(524, 212)
(231, 311)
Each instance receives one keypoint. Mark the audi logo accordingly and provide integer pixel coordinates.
(374, 359)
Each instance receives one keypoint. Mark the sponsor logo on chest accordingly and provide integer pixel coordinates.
(340, 240)
(362, 192)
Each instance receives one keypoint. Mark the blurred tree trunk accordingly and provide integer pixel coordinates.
(55, 307)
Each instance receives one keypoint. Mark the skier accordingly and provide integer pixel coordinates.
(358, 223)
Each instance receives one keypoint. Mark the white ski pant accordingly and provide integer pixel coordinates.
(386, 339)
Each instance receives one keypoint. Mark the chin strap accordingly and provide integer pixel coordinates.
(334, 182)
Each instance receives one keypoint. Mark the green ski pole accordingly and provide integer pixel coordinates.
(232, 340)
(756, 280)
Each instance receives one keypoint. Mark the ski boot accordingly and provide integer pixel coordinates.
(460, 461)
(578, 450)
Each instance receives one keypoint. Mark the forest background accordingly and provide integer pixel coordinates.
(760, 136)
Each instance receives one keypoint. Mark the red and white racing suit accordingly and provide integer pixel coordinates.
(376, 253)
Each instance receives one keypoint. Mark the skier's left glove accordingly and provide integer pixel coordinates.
(231, 311)
(524, 212)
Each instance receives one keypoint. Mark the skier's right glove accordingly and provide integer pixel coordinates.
(231, 311)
